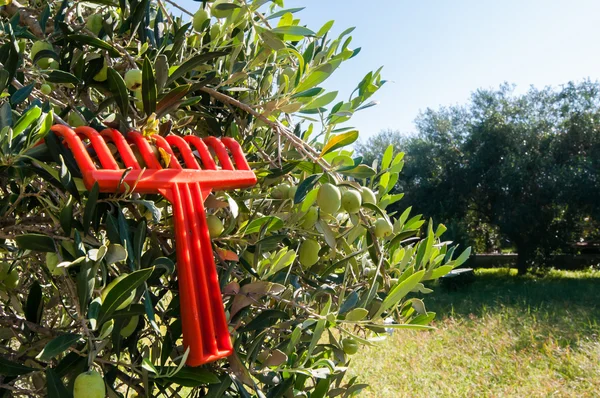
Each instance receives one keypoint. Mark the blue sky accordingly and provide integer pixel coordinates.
(437, 52)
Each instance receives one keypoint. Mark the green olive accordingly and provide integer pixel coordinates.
(383, 228)
(309, 253)
(89, 385)
(36, 48)
(75, 120)
(329, 198)
(215, 226)
(350, 346)
(215, 31)
(46, 89)
(103, 74)
(292, 192)
(310, 218)
(281, 191)
(368, 196)
(133, 79)
(221, 13)
(12, 279)
(351, 201)
(200, 17)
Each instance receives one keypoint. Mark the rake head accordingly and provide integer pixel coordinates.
(204, 324)
(184, 166)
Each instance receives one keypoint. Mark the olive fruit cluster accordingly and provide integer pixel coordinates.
(330, 201)
(44, 62)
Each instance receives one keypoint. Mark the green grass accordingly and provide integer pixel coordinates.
(504, 335)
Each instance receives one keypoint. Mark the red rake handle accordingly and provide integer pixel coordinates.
(204, 324)
(203, 320)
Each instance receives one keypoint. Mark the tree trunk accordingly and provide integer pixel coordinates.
(522, 263)
(523, 258)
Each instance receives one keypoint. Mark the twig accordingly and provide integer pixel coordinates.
(16, 322)
(131, 382)
(242, 126)
(42, 231)
(282, 130)
(297, 305)
(15, 389)
(101, 360)
(26, 18)
(164, 10)
(57, 119)
(262, 18)
(179, 7)
(275, 125)
(87, 101)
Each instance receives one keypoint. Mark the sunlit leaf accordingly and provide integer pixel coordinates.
(340, 141)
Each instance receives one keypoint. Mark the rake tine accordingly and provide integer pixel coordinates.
(205, 156)
(122, 146)
(184, 148)
(221, 152)
(106, 158)
(236, 151)
(164, 145)
(74, 143)
(145, 150)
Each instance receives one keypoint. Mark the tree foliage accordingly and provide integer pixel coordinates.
(252, 74)
(507, 170)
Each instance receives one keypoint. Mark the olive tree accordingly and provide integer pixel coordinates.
(308, 259)
(507, 170)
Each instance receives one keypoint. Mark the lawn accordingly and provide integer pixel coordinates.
(504, 335)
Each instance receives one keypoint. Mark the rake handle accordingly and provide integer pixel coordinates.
(204, 325)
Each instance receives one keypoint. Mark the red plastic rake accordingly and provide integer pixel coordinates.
(203, 319)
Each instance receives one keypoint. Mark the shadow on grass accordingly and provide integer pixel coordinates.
(562, 304)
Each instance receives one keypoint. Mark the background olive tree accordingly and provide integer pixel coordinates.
(507, 171)
(88, 279)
